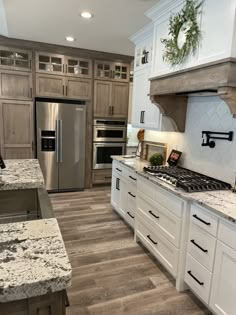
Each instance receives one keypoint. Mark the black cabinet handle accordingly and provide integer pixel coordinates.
(155, 216)
(107, 177)
(132, 178)
(130, 215)
(199, 282)
(141, 113)
(131, 194)
(143, 117)
(149, 237)
(202, 249)
(118, 184)
(199, 219)
(118, 169)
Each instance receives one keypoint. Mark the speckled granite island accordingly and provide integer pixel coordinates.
(34, 266)
(221, 202)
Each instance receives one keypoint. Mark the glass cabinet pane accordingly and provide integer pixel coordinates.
(13, 58)
(44, 59)
(50, 63)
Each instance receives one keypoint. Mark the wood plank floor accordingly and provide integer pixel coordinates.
(113, 275)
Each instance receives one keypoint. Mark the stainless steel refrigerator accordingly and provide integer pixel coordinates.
(60, 132)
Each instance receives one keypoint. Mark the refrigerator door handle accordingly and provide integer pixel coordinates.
(57, 140)
(60, 140)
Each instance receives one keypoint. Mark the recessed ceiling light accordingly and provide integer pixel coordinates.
(86, 15)
(70, 38)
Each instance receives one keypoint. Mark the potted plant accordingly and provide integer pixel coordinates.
(156, 159)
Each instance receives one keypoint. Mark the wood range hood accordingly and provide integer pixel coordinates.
(170, 92)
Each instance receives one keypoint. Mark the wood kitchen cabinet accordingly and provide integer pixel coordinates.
(16, 129)
(15, 59)
(49, 63)
(78, 67)
(115, 71)
(111, 99)
(16, 85)
(78, 88)
(50, 85)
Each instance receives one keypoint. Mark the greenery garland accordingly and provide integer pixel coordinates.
(183, 24)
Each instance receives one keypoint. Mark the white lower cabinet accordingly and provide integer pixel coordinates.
(198, 278)
(123, 192)
(158, 245)
(223, 291)
(118, 194)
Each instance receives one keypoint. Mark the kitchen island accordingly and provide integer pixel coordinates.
(34, 267)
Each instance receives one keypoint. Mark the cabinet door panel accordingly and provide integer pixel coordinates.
(16, 129)
(139, 100)
(102, 98)
(16, 85)
(120, 99)
(223, 289)
(50, 85)
(78, 88)
(49, 63)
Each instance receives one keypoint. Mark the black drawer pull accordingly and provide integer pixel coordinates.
(149, 237)
(131, 194)
(132, 176)
(118, 169)
(130, 215)
(202, 249)
(107, 177)
(155, 216)
(196, 217)
(199, 282)
(118, 184)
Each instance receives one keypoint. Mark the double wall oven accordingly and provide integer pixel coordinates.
(109, 138)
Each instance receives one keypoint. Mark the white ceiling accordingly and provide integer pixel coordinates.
(51, 20)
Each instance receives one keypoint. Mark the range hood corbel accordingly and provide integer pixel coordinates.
(174, 107)
(170, 92)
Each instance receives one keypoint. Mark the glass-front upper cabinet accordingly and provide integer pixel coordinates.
(50, 63)
(16, 59)
(103, 70)
(111, 71)
(78, 67)
(121, 72)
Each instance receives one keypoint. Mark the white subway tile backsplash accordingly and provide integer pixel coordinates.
(204, 113)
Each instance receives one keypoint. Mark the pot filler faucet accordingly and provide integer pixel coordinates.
(209, 135)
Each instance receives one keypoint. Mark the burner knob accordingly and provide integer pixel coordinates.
(167, 177)
(159, 175)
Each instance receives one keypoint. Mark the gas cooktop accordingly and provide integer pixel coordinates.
(188, 180)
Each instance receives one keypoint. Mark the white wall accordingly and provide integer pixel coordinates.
(3, 20)
(204, 113)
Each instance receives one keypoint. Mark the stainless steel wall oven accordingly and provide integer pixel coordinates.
(109, 138)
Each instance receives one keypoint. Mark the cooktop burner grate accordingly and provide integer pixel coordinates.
(188, 180)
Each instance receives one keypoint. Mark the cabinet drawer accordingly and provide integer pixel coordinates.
(146, 188)
(160, 218)
(204, 219)
(158, 245)
(118, 168)
(169, 201)
(198, 278)
(227, 233)
(131, 176)
(101, 176)
(130, 217)
(201, 245)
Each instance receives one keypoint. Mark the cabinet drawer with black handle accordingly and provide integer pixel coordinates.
(160, 218)
(204, 219)
(165, 252)
(201, 245)
(198, 278)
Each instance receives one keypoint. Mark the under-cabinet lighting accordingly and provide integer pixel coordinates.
(70, 38)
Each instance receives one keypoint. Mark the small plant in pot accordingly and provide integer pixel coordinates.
(156, 159)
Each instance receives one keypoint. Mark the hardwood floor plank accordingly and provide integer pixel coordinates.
(112, 275)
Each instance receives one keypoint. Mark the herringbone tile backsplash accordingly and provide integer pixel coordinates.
(204, 113)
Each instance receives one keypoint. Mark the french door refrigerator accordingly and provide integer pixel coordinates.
(60, 132)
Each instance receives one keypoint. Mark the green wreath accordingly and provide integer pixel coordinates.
(184, 34)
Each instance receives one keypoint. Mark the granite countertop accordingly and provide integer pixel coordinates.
(33, 260)
(221, 202)
(21, 174)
